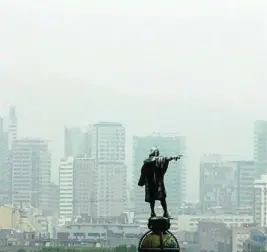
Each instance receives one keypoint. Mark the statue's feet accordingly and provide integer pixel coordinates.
(153, 214)
(166, 215)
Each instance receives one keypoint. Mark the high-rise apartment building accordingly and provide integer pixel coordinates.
(260, 201)
(77, 142)
(175, 178)
(31, 173)
(12, 127)
(260, 141)
(108, 149)
(66, 198)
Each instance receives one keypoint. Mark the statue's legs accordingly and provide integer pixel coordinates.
(152, 208)
(165, 209)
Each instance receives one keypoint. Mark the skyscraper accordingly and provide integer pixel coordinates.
(260, 141)
(77, 142)
(175, 178)
(108, 149)
(5, 171)
(77, 187)
(31, 173)
(84, 185)
(66, 187)
(12, 127)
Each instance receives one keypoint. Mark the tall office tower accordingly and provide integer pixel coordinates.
(5, 171)
(260, 141)
(31, 173)
(84, 184)
(175, 178)
(108, 149)
(260, 201)
(66, 187)
(77, 142)
(12, 127)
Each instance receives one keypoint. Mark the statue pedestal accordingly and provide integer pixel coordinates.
(158, 224)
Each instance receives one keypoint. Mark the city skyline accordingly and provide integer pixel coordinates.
(129, 142)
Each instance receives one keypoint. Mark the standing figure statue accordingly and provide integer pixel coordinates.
(152, 177)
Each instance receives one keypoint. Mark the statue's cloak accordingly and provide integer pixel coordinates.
(152, 177)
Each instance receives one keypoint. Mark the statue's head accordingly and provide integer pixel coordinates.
(154, 152)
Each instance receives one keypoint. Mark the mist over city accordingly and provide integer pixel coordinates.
(98, 100)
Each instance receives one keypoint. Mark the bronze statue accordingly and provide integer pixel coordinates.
(152, 177)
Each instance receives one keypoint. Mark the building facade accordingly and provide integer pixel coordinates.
(175, 178)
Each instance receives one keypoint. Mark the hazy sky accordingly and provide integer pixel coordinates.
(193, 67)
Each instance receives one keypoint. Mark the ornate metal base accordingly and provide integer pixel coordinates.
(158, 224)
(158, 238)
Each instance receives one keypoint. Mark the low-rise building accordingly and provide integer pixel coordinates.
(105, 234)
(190, 222)
(257, 241)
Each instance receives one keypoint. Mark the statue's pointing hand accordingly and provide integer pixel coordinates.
(177, 157)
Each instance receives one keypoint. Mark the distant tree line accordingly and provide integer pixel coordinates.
(122, 248)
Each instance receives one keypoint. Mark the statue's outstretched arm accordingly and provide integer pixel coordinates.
(174, 158)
